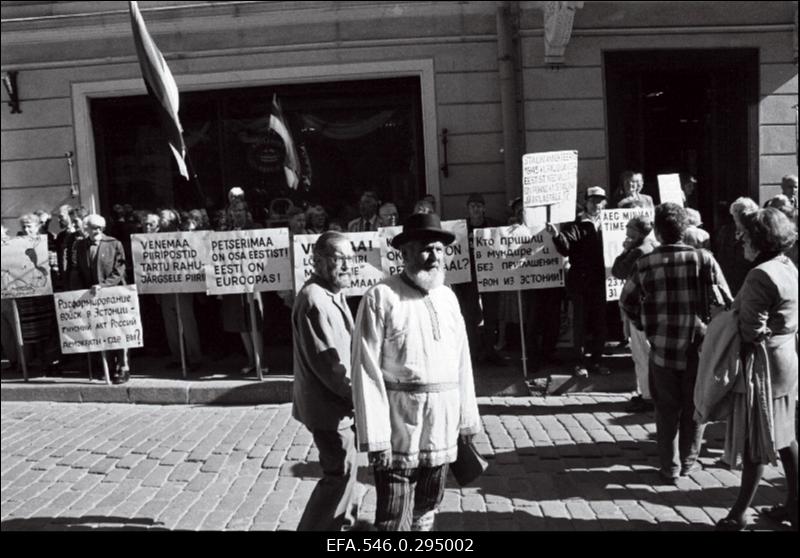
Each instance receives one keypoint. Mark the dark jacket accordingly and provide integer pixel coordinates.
(108, 269)
(582, 243)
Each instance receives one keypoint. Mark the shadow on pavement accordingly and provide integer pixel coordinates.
(85, 523)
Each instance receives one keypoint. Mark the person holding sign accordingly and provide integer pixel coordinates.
(413, 390)
(100, 262)
(582, 242)
(663, 298)
(322, 327)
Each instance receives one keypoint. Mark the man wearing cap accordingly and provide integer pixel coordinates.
(413, 390)
(479, 307)
(582, 242)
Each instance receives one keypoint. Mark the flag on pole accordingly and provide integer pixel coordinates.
(160, 84)
(291, 164)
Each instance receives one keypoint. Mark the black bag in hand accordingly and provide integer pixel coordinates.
(469, 464)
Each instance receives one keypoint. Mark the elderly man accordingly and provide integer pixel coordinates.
(663, 297)
(388, 216)
(789, 188)
(413, 389)
(368, 209)
(99, 261)
(322, 327)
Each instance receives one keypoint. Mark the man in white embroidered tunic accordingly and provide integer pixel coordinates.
(413, 390)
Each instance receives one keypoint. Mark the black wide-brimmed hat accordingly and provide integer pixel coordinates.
(425, 227)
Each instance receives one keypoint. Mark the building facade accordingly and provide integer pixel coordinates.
(413, 97)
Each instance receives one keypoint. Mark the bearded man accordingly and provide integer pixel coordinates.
(413, 390)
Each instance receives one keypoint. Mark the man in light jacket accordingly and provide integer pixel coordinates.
(322, 326)
(413, 389)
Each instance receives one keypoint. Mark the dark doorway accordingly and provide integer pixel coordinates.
(693, 112)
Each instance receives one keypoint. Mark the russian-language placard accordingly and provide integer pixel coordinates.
(171, 262)
(456, 255)
(25, 267)
(106, 321)
(248, 261)
(516, 258)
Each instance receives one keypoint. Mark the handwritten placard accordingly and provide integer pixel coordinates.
(516, 258)
(106, 321)
(170, 262)
(614, 223)
(669, 188)
(25, 267)
(456, 255)
(366, 264)
(248, 261)
(549, 178)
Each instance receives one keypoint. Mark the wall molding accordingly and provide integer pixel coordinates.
(84, 92)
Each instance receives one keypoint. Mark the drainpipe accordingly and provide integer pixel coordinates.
(508, 102)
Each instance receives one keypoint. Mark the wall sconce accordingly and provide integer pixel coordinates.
(10, 85)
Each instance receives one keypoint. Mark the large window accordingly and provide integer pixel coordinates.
(351, 136)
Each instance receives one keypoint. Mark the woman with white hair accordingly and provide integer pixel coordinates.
(727, 244)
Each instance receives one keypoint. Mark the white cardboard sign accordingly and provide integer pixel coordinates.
(614, 223)
(248, 261)
(172, 262)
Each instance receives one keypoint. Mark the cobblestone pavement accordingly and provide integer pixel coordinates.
(577, 462)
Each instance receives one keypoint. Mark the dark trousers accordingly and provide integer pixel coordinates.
(677, 432)
(480, 317)
(333, 505)
(542, 320)
(408, 498)
(589, 308)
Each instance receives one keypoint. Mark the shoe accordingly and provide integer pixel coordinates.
(668, 478)
(580, 372)
(600, 370)
(730, 524)
(778, 512)
(640, 405)
(622, 344)
(247, 370)
(693, 468)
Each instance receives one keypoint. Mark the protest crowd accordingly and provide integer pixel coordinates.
(675, 279)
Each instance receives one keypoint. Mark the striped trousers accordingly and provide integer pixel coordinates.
(407, 498)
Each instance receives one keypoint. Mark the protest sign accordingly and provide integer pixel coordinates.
(171, 262)
(549, 178)
(669, 188)
(25, 267)
(106, 321)
(614, 223)
(366, 265)
(516, 258)
(456, 255)
(248, 261)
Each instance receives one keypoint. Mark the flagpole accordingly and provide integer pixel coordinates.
(193, 174)
(180, 334)
(522, 336)
(18, 339)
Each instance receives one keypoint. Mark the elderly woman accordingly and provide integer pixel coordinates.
(763, 417)
(629, 193)
(727, 244)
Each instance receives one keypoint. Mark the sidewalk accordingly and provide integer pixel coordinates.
(211, 383)
(576, 462)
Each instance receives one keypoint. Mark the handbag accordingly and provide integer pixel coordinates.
(469, 464)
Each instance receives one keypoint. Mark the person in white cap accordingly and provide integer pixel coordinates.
(582, 242)
(413, 390)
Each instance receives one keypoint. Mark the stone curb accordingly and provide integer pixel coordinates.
(153, 392)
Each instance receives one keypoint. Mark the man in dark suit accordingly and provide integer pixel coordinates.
(99, 261)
